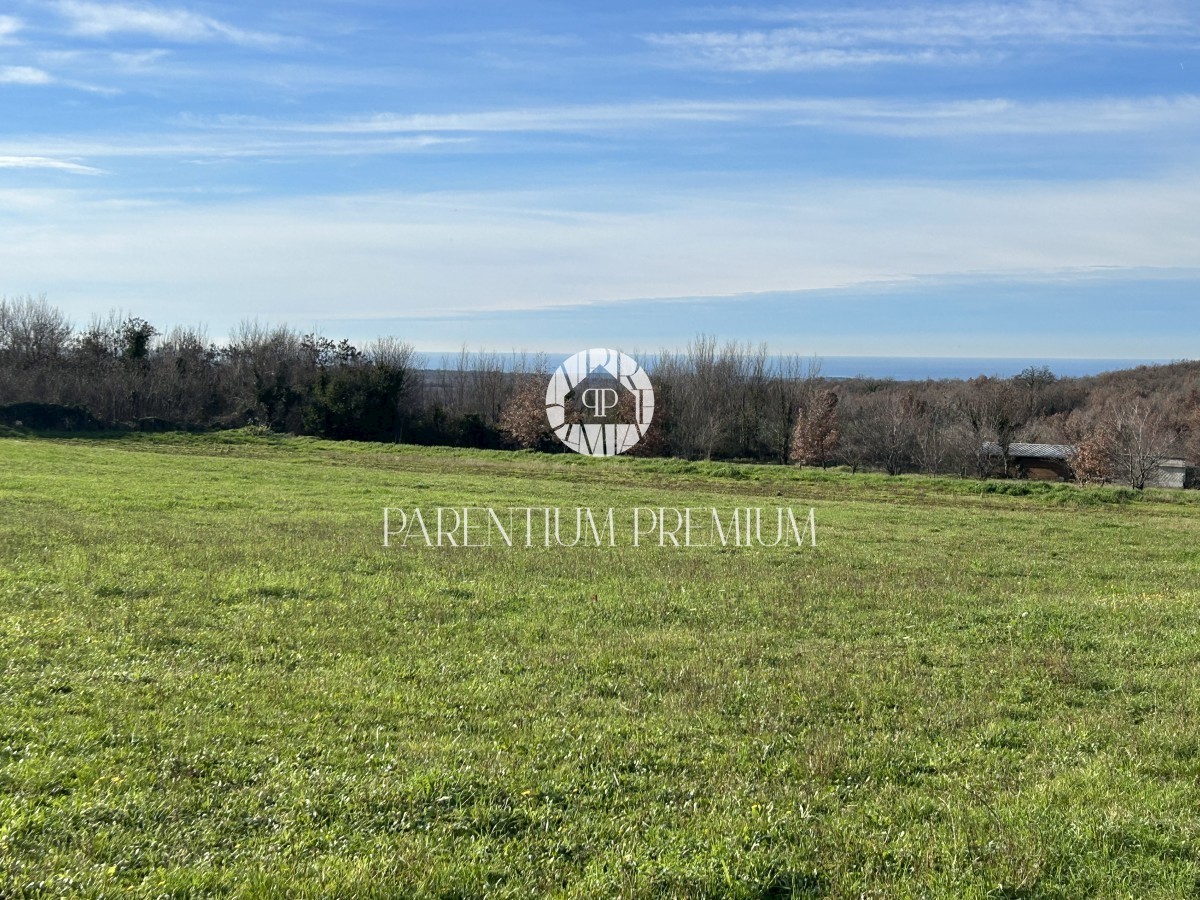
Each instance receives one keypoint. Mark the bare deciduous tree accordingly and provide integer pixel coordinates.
(993, 410)
(31, 330)
(879, 429)
(1140, 435)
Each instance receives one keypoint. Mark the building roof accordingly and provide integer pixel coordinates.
(1059, 451)
(1031, 451)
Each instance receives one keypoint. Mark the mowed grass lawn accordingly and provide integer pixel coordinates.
(215, 680)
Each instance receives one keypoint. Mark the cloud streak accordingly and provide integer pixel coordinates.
(102, 20)
(24, 75)
(43, 162)
(33, 77)
(9, 26)
(930, 34)
(779, 51)
(1170, 119)
(223, 147)
(1048, 21)
(915, 119)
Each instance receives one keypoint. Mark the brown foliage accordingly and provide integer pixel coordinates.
(816, 433)
(523, 416)
(1092, 459)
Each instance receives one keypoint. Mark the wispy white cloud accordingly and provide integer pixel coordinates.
(102, 60)
(138, 61)
(779, 51)
(217, 147)
(24, 75)
(94, 19)
(1171, 121)
(43, 162)
(921, 34)
(31, 76)
(1001, 116)
(9, 26)
(1055, 21)
(987, 116)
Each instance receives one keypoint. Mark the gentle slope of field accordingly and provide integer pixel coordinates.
(215, 679)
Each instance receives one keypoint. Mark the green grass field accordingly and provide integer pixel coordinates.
(214, 680)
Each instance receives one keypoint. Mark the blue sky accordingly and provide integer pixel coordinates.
(955, 179)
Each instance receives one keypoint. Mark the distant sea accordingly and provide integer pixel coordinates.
(901, 368)
(919, 368)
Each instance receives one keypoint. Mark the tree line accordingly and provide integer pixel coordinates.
(714, 399)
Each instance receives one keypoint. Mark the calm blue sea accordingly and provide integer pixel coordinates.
(916, 368)
(901, 368)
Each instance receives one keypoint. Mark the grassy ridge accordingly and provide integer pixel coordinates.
(216, 680)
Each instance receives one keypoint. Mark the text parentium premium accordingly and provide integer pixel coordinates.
(639, 526)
